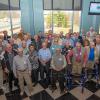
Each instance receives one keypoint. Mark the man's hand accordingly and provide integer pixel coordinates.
(16, 76)
(6, 70)
(97, 61)
(30, 73)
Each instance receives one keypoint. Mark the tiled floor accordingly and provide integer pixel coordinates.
(42, 92)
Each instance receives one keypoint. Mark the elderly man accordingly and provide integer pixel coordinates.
(14, 46)
(7, 63)
(44, 58)
(58, 65)
(98, 48)
(1, 69)
(6, 37)
(37, 42)
(92, 33)
(25, 48)
(27, 40)
(22, 70)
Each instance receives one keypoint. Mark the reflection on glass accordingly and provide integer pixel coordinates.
(5, 21)
(16, 22)
(76, 21)
(62, 21)
(47, 20)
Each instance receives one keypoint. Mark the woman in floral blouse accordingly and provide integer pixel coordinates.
(33, 57)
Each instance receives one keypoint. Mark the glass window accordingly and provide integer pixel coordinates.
(47, 4)
(47, 20)
(62, 21)
(5, 22)
(16, 21)
(76, 21)
(62, 4)
(4, 5)
(77, 4)
(14, 4)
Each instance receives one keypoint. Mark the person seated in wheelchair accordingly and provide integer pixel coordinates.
(58, 64)
(91, 58)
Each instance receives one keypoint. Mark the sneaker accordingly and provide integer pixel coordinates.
(1, 92)
(21, 93)
(32, 92)
(34, 84)
(62, 92)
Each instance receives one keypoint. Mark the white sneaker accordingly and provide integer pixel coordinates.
(32, 93)
(21, 93)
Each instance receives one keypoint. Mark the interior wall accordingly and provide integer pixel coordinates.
(32, 18)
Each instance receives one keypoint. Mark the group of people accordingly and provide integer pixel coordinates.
(23, 57)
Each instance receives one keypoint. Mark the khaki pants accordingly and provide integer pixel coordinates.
(24, 75)
(1, 78)
(77, 68)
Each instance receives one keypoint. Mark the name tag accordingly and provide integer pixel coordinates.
(24, 62)
(60, 59)
(53, 48)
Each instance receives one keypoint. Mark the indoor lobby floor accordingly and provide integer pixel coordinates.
(42, 92)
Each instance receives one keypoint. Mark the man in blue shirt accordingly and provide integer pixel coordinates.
(44, 58)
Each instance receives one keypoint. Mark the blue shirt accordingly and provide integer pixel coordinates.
(44, 54)
(91, 54)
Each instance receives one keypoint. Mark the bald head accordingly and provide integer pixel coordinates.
(20, 51)
(8, 48)
(58, 51)
(44, 45)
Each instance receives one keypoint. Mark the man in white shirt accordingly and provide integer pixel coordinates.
(22, 71)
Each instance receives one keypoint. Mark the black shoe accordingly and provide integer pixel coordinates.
(10, 89)
(1, 92)
(53, 88)
(34, 84)
(62, 92)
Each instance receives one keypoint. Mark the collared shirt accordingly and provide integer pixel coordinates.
(44, 54)
(58, 61)
(21, 63)
(33, 58)
(28, 42)
(25, 51)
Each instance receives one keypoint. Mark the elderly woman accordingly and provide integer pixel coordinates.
(33, 58)
(1, 68)
(16, 39)
(91, 56)
(78, 59)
